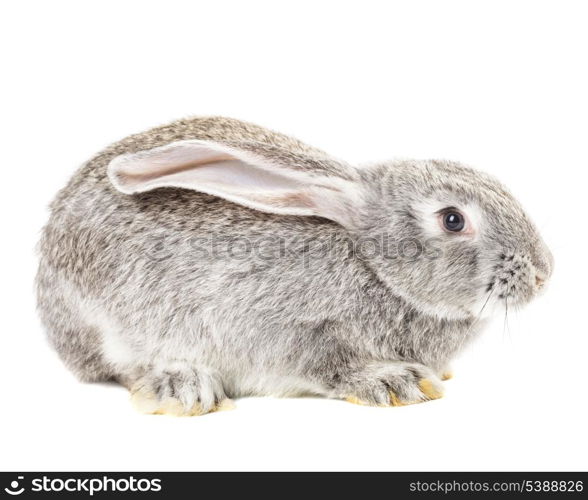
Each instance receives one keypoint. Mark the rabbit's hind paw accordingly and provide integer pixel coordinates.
(180, 392)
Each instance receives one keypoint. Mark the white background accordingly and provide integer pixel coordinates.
(499, 85)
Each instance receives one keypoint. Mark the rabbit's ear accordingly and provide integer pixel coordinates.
(257, 175)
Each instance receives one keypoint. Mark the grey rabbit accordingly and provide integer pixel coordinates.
(212, 258)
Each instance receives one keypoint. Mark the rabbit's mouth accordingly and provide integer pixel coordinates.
(516, 281)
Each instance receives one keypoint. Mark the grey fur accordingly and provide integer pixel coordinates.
(197, 326)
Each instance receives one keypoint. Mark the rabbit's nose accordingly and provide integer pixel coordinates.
(539, 281)
(542, 260)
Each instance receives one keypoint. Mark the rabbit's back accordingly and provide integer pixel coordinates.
(88, 215)
(167, 266)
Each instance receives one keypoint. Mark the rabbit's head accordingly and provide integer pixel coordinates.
(456, 243)
(446, 238)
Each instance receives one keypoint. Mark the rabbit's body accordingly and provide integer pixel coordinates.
(187, 298)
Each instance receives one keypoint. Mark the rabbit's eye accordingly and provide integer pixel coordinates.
(453, 221)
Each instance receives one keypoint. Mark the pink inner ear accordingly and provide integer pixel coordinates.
(145, 171)
(203, 168)
(194, 164)
(131, 172)
(239, 176)
(224, 172)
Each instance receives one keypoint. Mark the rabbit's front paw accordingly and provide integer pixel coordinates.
(179, 391)
(392, 384)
